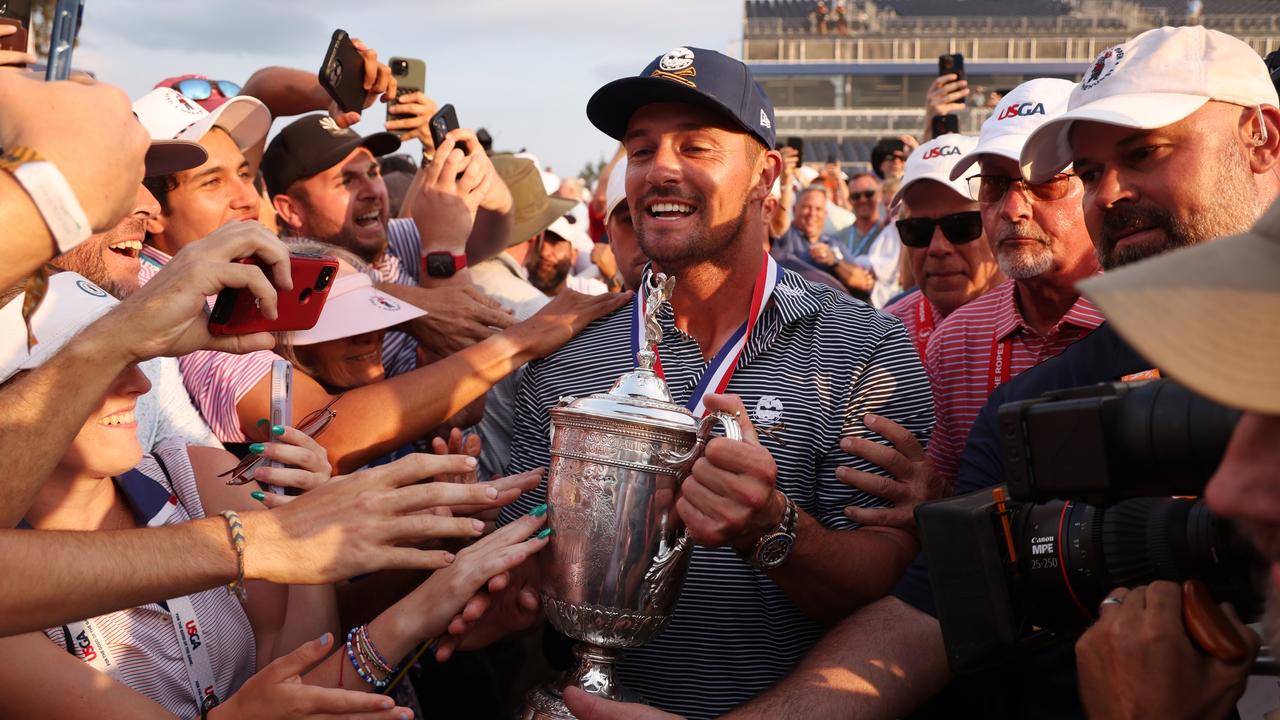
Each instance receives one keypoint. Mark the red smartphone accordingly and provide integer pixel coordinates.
(236, 310)
(18, 14)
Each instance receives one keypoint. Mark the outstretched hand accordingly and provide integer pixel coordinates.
(912, 478)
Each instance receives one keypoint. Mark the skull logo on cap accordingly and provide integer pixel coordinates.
(677, 59)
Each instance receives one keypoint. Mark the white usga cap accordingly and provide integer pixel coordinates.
(934, 160)
(616, 191)
(1025, 108)
(71, 303)
(1153, 80)
(168, 115)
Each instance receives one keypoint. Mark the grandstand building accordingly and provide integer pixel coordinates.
(844, 73)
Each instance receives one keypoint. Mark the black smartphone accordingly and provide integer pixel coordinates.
(411, 77)
(953, 63)
(943, 124)
(798, 145)
(18, 14)
(342, 73)
(441, 123)
(67, 15)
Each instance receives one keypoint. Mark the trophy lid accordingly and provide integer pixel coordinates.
(639, 396)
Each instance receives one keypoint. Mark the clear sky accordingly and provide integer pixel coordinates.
(522, 68)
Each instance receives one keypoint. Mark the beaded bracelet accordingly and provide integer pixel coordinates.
(356, 661)
(236, 529)
(362, 638)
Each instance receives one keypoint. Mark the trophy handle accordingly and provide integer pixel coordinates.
(684, 461)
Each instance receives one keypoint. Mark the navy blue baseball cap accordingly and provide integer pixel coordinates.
(687, 75)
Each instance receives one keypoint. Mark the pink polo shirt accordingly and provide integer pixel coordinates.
(979, 347)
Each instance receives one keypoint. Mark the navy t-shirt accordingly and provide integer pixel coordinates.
(1043, 684)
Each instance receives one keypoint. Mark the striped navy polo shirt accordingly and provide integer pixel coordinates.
(817, 362)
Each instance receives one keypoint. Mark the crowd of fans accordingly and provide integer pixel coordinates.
(172, 551)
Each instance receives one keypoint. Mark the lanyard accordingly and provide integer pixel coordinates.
(1001, 363)
(924, 325)
(716, 377)
(154, 506)
(91, 647)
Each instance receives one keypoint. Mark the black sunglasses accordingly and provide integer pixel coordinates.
(864, 195)
(957, 228)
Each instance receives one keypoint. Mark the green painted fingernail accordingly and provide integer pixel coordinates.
(277, 430)
(263, 422)
(257, 448)
(258, 495)
(546, 533)
(539, 511)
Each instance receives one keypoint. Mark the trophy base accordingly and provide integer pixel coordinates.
(594, 674)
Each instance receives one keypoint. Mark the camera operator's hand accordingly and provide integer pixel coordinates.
(378, 81)
(87, 130)
(1137, 661)
(912, 480)
(168, 317)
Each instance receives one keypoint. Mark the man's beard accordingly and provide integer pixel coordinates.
(87, 259)
(701, 244)
(1235, 210)
(548, 281)
(1023, 262)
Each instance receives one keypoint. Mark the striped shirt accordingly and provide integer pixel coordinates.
(815, 365)
(140, 641)
(217, 381)
(979, 347)
(919, 316)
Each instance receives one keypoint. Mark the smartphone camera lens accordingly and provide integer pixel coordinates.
(322, 282)
(335, 74)
(400, 67)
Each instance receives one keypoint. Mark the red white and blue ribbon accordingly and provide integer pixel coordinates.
(721, 367)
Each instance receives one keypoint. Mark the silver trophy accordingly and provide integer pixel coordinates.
(618, 551)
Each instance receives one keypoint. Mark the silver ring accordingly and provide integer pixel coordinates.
(1112, 600)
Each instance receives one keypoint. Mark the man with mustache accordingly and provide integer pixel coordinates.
(1038, 234)
(818, 375)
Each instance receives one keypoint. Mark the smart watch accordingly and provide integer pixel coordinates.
(774, 546)
(443, 264)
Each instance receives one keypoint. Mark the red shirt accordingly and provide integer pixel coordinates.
(980, 346)
(919, 316)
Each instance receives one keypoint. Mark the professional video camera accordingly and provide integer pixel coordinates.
(1091, 504)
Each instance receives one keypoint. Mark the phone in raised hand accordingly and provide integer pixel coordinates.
(18, 14)
(411, 77)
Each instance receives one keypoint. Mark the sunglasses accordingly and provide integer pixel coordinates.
(958, 228)
(990, 189)
(311, 426)
(864, 195)
(200, 89)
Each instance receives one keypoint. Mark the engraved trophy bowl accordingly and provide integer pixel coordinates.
(618, 551)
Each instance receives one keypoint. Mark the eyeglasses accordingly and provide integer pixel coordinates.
(864, 195)
(958, 228)
(990, 189)
(311, 426)
(201, 89)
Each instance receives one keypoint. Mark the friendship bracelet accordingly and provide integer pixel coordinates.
(378, 659)
(364, 674)
(236, 529)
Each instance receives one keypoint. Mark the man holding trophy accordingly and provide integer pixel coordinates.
(825, 390)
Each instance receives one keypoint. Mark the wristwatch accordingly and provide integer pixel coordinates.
(443, 264)
(774, 546)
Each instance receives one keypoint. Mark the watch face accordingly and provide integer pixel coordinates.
(773, 551)
(440, 265)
